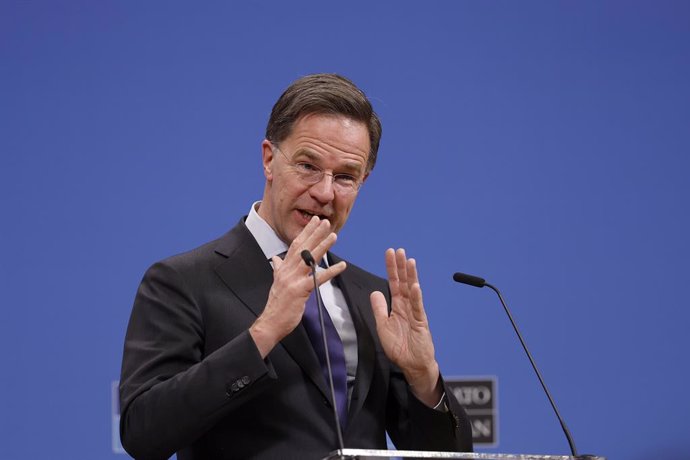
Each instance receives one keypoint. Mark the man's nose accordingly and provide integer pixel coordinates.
(323, 190)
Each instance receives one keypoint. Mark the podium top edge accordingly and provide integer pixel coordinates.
(366, 454)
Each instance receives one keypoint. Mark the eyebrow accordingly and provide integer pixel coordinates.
(350, 167)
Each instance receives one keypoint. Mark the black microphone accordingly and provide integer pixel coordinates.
(480, 282)
(469, 279)
(309, 260)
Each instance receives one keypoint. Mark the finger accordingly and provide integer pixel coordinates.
(315, 230)
(412, 275)
(392, 270)
(380, 307)
(293, 277)
(418, 312)
(320, 237)
(320, 232)
(323, 246)
(331, 272)
(298, 243)
(401, 263)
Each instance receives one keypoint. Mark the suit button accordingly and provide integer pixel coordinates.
(246, 380)
(234, 387)
(239, 383)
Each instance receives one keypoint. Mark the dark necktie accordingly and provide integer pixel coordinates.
(336, 351)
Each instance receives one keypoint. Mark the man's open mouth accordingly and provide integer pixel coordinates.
(309, 215)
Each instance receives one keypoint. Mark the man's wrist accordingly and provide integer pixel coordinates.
(263, 339)
(427, 386)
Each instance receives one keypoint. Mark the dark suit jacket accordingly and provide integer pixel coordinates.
(193, 381)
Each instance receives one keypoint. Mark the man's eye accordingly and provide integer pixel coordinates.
(345, 179)
(307, 167)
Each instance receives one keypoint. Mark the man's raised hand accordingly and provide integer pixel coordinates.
(404, 333)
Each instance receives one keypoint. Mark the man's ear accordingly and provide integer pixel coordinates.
(267, 157)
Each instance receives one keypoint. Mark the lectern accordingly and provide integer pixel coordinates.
(366, 454)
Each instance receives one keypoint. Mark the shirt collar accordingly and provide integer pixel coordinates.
(268, 241)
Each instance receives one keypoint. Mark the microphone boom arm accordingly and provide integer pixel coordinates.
(571, 443)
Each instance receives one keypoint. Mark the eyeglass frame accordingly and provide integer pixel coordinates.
(319, 174)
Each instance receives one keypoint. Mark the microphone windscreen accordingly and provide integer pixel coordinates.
(307, 257)
(469, 279)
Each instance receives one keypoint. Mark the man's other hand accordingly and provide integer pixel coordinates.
(404, 333)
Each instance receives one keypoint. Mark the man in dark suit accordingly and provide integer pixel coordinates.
(220, 358)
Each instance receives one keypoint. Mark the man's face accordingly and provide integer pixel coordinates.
(334, 144)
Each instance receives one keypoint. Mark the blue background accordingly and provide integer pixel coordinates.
(543, 145)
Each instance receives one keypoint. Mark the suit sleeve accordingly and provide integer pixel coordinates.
(170, 393)
(414, 426)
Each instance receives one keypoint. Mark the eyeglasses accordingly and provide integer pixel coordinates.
(310, 174)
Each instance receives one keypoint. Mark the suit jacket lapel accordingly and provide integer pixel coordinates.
(244, 270)
(248, 274)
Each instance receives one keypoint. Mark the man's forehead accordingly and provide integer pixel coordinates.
(342, 118)
(337, 131)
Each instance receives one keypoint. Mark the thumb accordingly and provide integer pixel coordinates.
(379, 307)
